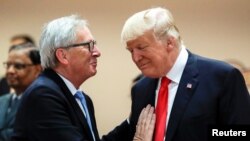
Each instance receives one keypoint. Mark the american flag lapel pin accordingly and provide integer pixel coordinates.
(189, 85)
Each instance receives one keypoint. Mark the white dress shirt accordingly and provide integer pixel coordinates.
(174, 75)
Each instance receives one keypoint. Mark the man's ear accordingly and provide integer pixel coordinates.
(171, 43)
(38, 68)
(61, 56)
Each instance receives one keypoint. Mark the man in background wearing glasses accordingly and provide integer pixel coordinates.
(22, 67)
(15, 40)
(53, 107)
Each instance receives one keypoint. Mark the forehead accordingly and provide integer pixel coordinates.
(85, 34)
(19, 55)
(17, 41)
(146, 38)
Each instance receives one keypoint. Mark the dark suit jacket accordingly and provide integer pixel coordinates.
(49, 112)
(218, 97)
(4, 86)
(7, 116)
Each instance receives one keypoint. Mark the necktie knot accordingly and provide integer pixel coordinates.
(79, 95)
(165, 81)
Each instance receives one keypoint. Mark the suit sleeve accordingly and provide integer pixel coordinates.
(120, 133)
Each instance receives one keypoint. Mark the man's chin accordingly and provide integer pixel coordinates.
(12, 85)
(94, 72)
(150, 74)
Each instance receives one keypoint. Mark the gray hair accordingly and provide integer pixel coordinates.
(58, 33)
(158, 19)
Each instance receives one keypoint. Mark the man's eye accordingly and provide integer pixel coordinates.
(19, 66)
(142, 47)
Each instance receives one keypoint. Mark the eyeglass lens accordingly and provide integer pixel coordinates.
(17, 66)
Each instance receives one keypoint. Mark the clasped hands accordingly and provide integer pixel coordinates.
(145, 125)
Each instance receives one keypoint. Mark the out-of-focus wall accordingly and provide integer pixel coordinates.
(214, 28)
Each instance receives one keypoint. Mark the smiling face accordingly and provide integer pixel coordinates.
(82, 60)
(77, 64)
(20, 72)
(152, 56)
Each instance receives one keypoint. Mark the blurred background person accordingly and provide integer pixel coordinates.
(15, 40)
(22, 67)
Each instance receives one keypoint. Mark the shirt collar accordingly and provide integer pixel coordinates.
(70, 86)
(16, 96)
(176, 71)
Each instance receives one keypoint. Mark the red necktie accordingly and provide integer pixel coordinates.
(161, 110)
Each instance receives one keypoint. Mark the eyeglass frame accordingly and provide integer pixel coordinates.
(91, 45)
(17, 66)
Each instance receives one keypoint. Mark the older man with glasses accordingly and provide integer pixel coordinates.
(54, 108)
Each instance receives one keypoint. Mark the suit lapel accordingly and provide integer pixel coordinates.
(150, 92)
(57, 79)
(184, 93)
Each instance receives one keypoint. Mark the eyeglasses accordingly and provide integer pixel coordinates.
(90, 44)
(17, 66)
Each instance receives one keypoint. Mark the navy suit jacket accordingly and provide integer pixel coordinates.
(218, 96)
(49, 112)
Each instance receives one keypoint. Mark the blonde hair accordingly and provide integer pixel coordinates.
(158, 19)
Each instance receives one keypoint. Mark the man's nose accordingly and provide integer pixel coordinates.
(96, 52)
(136, 55)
